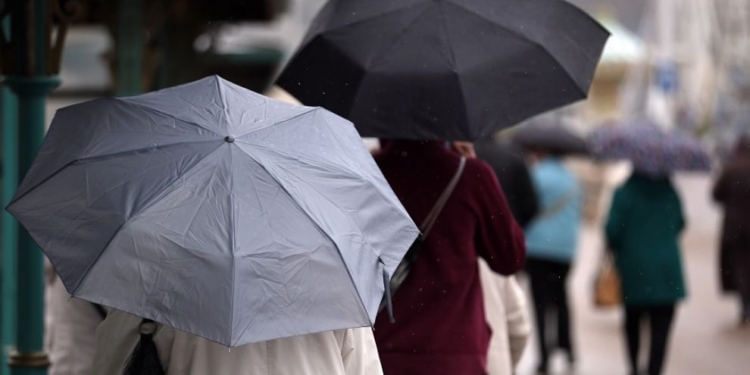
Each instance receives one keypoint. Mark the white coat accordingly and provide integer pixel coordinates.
(343, 352)
(508, 316)
(70, 329)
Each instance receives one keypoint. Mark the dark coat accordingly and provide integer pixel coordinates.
(732, 191)
(514, 177)
(440, 324)
(643, 230)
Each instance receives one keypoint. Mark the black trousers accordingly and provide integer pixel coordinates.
(548, 281)
(660, 323)
(741, 263)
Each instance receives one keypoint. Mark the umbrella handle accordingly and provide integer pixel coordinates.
(388, 301)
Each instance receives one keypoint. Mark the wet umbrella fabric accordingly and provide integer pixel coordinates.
(216, 211)
(552, 136)
(444, 69)
(651, 151)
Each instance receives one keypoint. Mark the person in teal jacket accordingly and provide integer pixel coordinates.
(551, 242)
(643, 229)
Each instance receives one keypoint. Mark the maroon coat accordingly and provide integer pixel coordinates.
(440, 325)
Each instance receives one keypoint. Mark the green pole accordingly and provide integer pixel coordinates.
(31, 82)
(8, 225)
(8, 108)
(129, 47)
(29, 357)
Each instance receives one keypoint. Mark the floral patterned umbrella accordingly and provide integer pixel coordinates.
(651, 150)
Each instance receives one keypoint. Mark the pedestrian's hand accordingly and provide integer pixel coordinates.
(465, 149)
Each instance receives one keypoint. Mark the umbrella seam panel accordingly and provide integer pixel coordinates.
(525, 38)
(328, 235)
(150, 109)
(147, 205)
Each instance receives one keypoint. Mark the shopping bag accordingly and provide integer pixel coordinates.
(607, 291)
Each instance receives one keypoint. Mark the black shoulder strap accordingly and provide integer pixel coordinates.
(100, 310)
(432, 217)
(410, 258)
(145, 357)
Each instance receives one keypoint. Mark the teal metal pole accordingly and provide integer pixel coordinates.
(129, 47)
(8, 112)
(31, 82)
(29, 358)
(8, 225)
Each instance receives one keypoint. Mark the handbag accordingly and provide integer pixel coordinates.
(393, 283)
(607, 292)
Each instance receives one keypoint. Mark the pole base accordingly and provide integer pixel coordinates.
(29, 360)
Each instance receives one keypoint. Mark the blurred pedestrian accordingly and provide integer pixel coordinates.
(514, 177)
(504, 300)
(643, 230)
(441, 327)
(508, 317)
(342, 352)
(551, 240)
(732, 191)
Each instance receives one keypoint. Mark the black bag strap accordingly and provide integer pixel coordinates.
(432, 217)
(145, 357)
(393, 282)
(100, 310)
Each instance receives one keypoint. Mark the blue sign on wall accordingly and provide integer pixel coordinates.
(667, 77)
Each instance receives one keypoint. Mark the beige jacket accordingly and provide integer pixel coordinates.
(508, 316)
(70, 329)
(343, 352)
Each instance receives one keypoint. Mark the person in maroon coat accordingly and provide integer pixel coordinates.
(440, 326)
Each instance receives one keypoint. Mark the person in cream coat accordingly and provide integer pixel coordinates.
(508, 316)
(342, 352)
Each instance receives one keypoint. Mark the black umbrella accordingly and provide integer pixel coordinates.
(444, 69)
(550, 136)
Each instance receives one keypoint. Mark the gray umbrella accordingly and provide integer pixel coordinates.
(550, 135)
(216, 211)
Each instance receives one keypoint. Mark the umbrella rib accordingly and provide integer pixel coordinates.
(153, 110)
(562, 3)
(272, 124)
(369, 19)
(521, 36)
(524, 38)
(167, 189)
(320, 228)
(364, 308)
(456, 75)
(99, 196)
(233, 239)
(378, 57)
(446, 35)
(101, 157)
(96, 158)
(222, 97)
(328, 164)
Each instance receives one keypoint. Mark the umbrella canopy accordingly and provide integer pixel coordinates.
(444, 69)
(216, 211)
(651, 150)
(551, 136)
